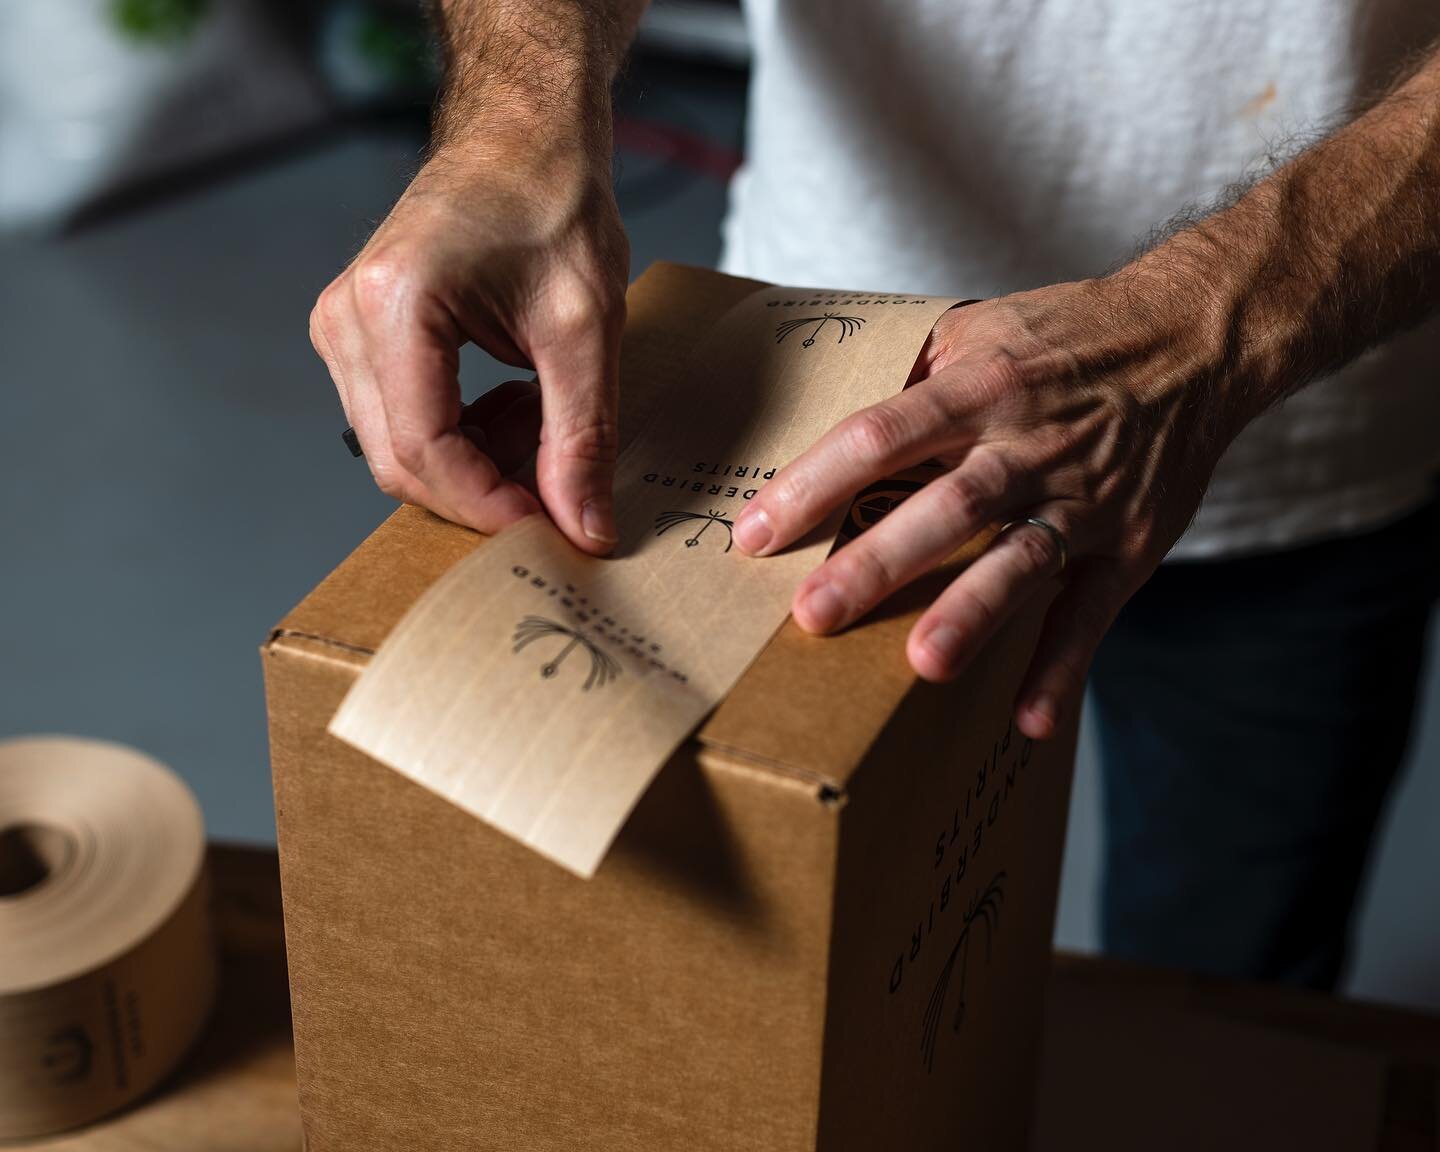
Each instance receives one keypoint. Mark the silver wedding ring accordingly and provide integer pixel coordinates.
(1055, 534)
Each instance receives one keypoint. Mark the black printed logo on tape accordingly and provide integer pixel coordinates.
(603, 666)
(69, 1054)
(591, 628)
(668, 520)
(848, 326)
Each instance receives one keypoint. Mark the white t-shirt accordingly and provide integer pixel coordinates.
(977, 147)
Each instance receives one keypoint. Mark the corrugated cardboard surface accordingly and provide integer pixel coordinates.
(944, 907)
(724, 980)
(453, 990)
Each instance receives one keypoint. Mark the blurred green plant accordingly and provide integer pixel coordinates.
(399, 44)
(163, 21)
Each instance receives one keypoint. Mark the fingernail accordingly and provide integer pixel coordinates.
(943, 644)
(598, 522)
(753, 531)
(823, 607)
(1047, 711)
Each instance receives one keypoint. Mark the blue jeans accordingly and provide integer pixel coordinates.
(1252, 716)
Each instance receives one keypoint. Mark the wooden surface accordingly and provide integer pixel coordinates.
(1133, 1060)
(1137, 1060)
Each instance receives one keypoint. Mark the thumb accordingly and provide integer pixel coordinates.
(579, 436)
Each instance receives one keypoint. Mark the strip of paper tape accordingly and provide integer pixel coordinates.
(107, 969)
(541, 689)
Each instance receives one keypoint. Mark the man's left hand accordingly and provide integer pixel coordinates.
(1088, 405)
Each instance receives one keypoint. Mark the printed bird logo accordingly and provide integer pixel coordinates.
(667, 520)
(603, 666)
(848, 326)
(984, 910)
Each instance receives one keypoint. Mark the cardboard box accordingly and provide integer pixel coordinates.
(826, 926)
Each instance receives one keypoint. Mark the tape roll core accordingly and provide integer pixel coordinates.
(107, 969)
(30, 854)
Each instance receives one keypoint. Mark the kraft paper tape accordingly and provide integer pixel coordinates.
(107, 969)
(541, 689)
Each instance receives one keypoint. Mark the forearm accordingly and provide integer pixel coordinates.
(530, 74)
(1332, 253)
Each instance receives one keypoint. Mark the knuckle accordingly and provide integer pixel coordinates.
(324, 319)
(376, 284)
(877, 434)
(317, 334)
(961, 504)
(998, 378)
(391, 482)
(595, 440)
(408, 451)
(944, 402)
(789, 496)
(864, 572)
(1035, 552)
(973, 612)
(570, 318)
(574, 309)
(993, 470)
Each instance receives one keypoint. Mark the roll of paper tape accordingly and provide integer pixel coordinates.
(107, 969)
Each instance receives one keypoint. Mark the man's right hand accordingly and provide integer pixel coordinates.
(511, 240)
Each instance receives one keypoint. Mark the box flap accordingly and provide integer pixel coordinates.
(808, 706)
(814, 705)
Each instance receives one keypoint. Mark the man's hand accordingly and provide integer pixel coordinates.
(1103, 407)
(509, 237)
(1037, 405)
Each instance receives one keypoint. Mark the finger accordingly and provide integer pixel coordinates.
(906, 544)
(510, 430)
(579, 437)
(367, 418)
(1054, 685)
(868, 446)
(412, 351)
(326, 347)
(950, 633)
(488, 405)
(476, 435)
(334, 339)
(369, 421)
